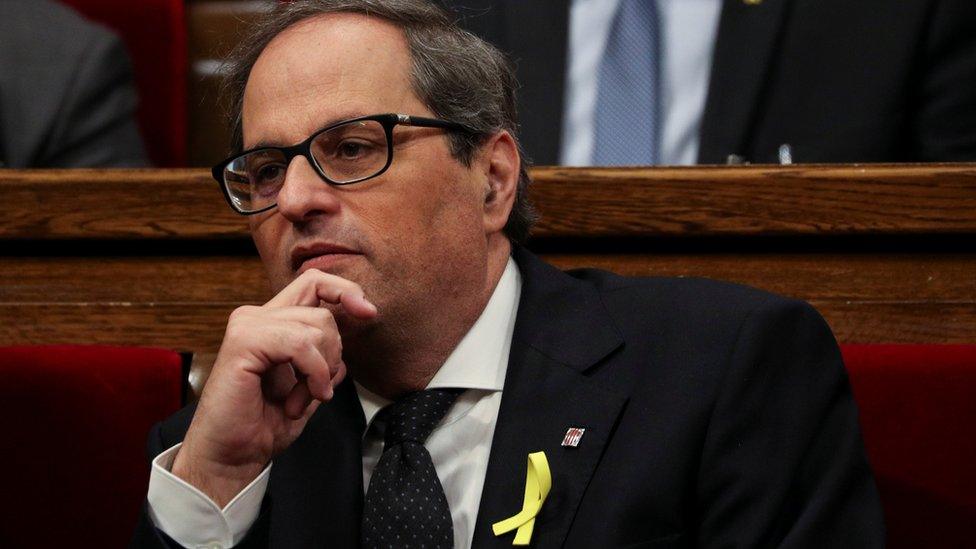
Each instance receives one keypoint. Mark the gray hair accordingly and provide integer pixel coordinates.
(457, 75)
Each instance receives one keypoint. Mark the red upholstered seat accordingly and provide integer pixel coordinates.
(75, 422)
(154, 32)
(76, 419)
(918, 412)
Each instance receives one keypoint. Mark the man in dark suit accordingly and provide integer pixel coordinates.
(415, 355)
(837, 81)
(67, 99)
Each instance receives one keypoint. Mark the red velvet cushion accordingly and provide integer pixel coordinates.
(918, 412)
(75, 423)
(76, 420)
(154, 32)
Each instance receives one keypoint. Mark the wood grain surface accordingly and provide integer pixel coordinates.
(199, 327)
(115, 204)
(184, 302)
(825, 276)
(696, 201)
(156, 258)
(163, 279)
(754, 200)
(949, 278)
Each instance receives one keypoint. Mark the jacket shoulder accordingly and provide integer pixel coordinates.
(693, 314)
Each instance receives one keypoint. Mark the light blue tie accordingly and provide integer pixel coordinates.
(626, 116)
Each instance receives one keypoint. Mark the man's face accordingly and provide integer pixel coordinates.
(414, 237)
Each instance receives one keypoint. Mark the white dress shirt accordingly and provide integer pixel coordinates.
(688, 30)
(459, 446)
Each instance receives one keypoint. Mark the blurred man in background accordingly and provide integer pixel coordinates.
(618, 82)
(67, 98)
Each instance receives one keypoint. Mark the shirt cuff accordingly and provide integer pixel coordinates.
(192, 519)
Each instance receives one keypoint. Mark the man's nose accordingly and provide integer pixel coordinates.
(304, 194)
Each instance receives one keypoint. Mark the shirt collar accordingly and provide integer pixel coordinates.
(480, 360)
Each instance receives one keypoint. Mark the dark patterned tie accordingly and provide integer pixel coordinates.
(405, 504)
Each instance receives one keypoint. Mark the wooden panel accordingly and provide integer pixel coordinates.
(115, 204)
(838, 276)
(208, 141)
(591, 202)
(900, 322)
(199, 327)
(153, 257)
(164, 279)
(195, 327)
(214, 27)
(835, 276)
(753, 200)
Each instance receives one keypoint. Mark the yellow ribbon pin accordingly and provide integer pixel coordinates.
(538, 481)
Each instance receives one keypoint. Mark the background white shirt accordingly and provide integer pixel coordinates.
(688, 31)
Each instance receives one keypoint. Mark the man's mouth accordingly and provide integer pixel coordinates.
(322, 256)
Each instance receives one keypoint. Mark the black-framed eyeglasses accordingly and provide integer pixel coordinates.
(343, 153)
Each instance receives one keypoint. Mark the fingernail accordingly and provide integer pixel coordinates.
(368, 302)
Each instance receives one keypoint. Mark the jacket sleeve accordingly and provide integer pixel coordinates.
(946, 79)
(147, 536)
(783, 463)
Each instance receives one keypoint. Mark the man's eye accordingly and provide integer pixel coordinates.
(351, 150)
(269, 173)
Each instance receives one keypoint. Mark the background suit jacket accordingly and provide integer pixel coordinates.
(67, 99)
(840, 81)
(715, 415)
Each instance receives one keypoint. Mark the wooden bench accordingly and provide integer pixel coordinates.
(155, 257)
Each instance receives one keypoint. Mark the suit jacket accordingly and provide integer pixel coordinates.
(66, 93)
(714, 415)
(840, 81)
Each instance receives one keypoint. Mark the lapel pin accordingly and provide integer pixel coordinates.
(538, 481)
(573, 437)
(752, 2)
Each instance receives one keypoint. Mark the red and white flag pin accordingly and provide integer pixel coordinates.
(573, 437)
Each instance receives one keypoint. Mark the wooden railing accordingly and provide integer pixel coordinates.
(150, 257)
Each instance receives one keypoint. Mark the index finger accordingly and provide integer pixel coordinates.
(314, 286)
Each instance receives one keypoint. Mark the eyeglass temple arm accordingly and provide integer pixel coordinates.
(424, 122)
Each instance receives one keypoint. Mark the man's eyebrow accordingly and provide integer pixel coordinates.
(333, 120)
(261, 145)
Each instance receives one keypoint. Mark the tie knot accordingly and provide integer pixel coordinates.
(413, 416)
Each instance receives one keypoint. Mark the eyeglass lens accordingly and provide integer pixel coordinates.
(344, 154)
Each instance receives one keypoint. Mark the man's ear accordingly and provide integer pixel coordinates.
(500, 161)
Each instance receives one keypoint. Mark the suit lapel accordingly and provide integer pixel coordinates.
(317, 484)
(748, 36)
(561, 332)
